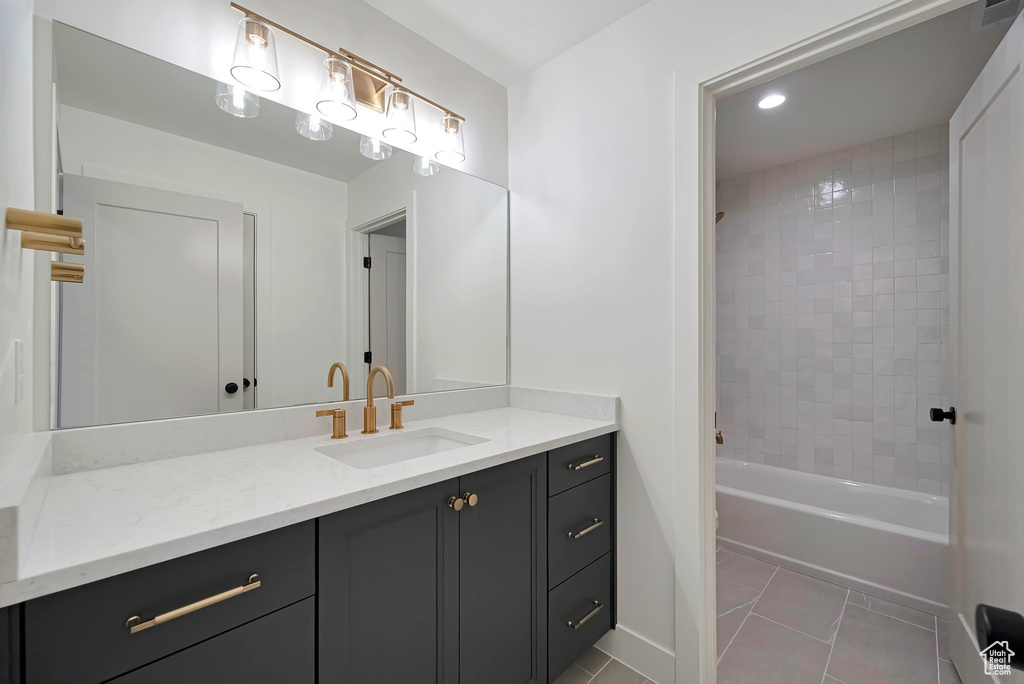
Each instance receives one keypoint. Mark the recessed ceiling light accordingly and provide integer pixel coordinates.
(771, 101)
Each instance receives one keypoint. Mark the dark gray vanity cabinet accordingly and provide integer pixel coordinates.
(84, 635)
(388, 597)
(502, 576)
(413, 590)
(502, 568)
(274, 649)
(581, 549)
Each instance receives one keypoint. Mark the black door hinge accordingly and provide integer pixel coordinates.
(366, 262)
(367, 357)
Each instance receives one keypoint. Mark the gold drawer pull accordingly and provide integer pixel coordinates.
(585, 464)
(135, 623)
(576, 535)
(583, 620)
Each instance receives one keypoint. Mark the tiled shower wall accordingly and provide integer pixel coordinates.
(833, 313)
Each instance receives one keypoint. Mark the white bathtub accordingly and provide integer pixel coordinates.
(884, 541)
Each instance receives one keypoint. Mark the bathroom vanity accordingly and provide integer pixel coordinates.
(502, 574)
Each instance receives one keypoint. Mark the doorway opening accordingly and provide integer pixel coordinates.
(386, 310)
(834, 338)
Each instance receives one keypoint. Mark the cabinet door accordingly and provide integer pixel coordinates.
(273, 649)
(502, 567)
(388, 590)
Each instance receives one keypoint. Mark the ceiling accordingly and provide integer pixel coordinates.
(909, 80)
(506, 40)
(103, 77)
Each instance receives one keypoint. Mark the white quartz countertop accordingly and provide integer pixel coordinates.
(100, 523)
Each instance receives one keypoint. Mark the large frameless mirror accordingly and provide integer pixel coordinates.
(236, 249)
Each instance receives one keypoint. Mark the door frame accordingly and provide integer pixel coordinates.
(359, 293)
(696, 88)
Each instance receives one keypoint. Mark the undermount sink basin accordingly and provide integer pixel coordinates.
(385, 449)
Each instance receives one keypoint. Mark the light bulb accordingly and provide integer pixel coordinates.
(425, 167)
(371, 148)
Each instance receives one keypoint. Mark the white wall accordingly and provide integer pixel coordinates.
(200, 35)
(303, 330)
(16, 190)
(833, 312)
(456, 228)
(603, 170)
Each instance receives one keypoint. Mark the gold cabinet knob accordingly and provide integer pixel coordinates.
(471, 499)
(456, 503)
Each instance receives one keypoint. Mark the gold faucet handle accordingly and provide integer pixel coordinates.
(396, 413)
(339, 424)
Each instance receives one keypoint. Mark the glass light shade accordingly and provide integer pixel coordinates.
(400, 119)
(337, 95)
(453, 148)
(374, 149)
(313, 126)
(425, 167)
(255, 62)
(237, 101)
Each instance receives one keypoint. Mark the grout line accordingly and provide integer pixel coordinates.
(747, 615)
(938, 668)
(791, 629)
(610, 659)
(878, 612)
(836, 638)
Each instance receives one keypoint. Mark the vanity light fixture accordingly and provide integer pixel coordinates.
(313, 126)
(453, 148)
(771, 101)
(237, 101)
(425, 167)
(374, 149)
(346, 79)
(337, 95)
(255, 62)
(400, 125)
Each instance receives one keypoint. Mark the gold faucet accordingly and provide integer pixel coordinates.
(344, 378)
(370, 411)
(339, 424)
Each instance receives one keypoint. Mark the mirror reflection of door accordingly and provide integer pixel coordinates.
(156, 329)
(249, 311)
(386, 305)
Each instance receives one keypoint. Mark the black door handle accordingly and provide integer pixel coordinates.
(1000, 634)
(246, 383)
(938, 415)
(231, 387)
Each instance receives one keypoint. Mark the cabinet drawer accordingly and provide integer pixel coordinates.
(579, 528)
(578, 463)
(587, 593)
(80, 635)
(273, 649)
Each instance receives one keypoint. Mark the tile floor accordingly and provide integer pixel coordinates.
(597, 667)
(779, 626)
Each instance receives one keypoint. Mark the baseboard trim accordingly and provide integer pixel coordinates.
(867, 587)
(963, 647)
(646, 657)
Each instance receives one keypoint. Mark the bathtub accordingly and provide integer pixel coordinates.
(884, 541)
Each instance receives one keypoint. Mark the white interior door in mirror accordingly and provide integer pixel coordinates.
(156, 329)
(387, 309)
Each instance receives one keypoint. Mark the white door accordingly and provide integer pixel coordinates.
(986, 339)
(155, 330)
(387, 309)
